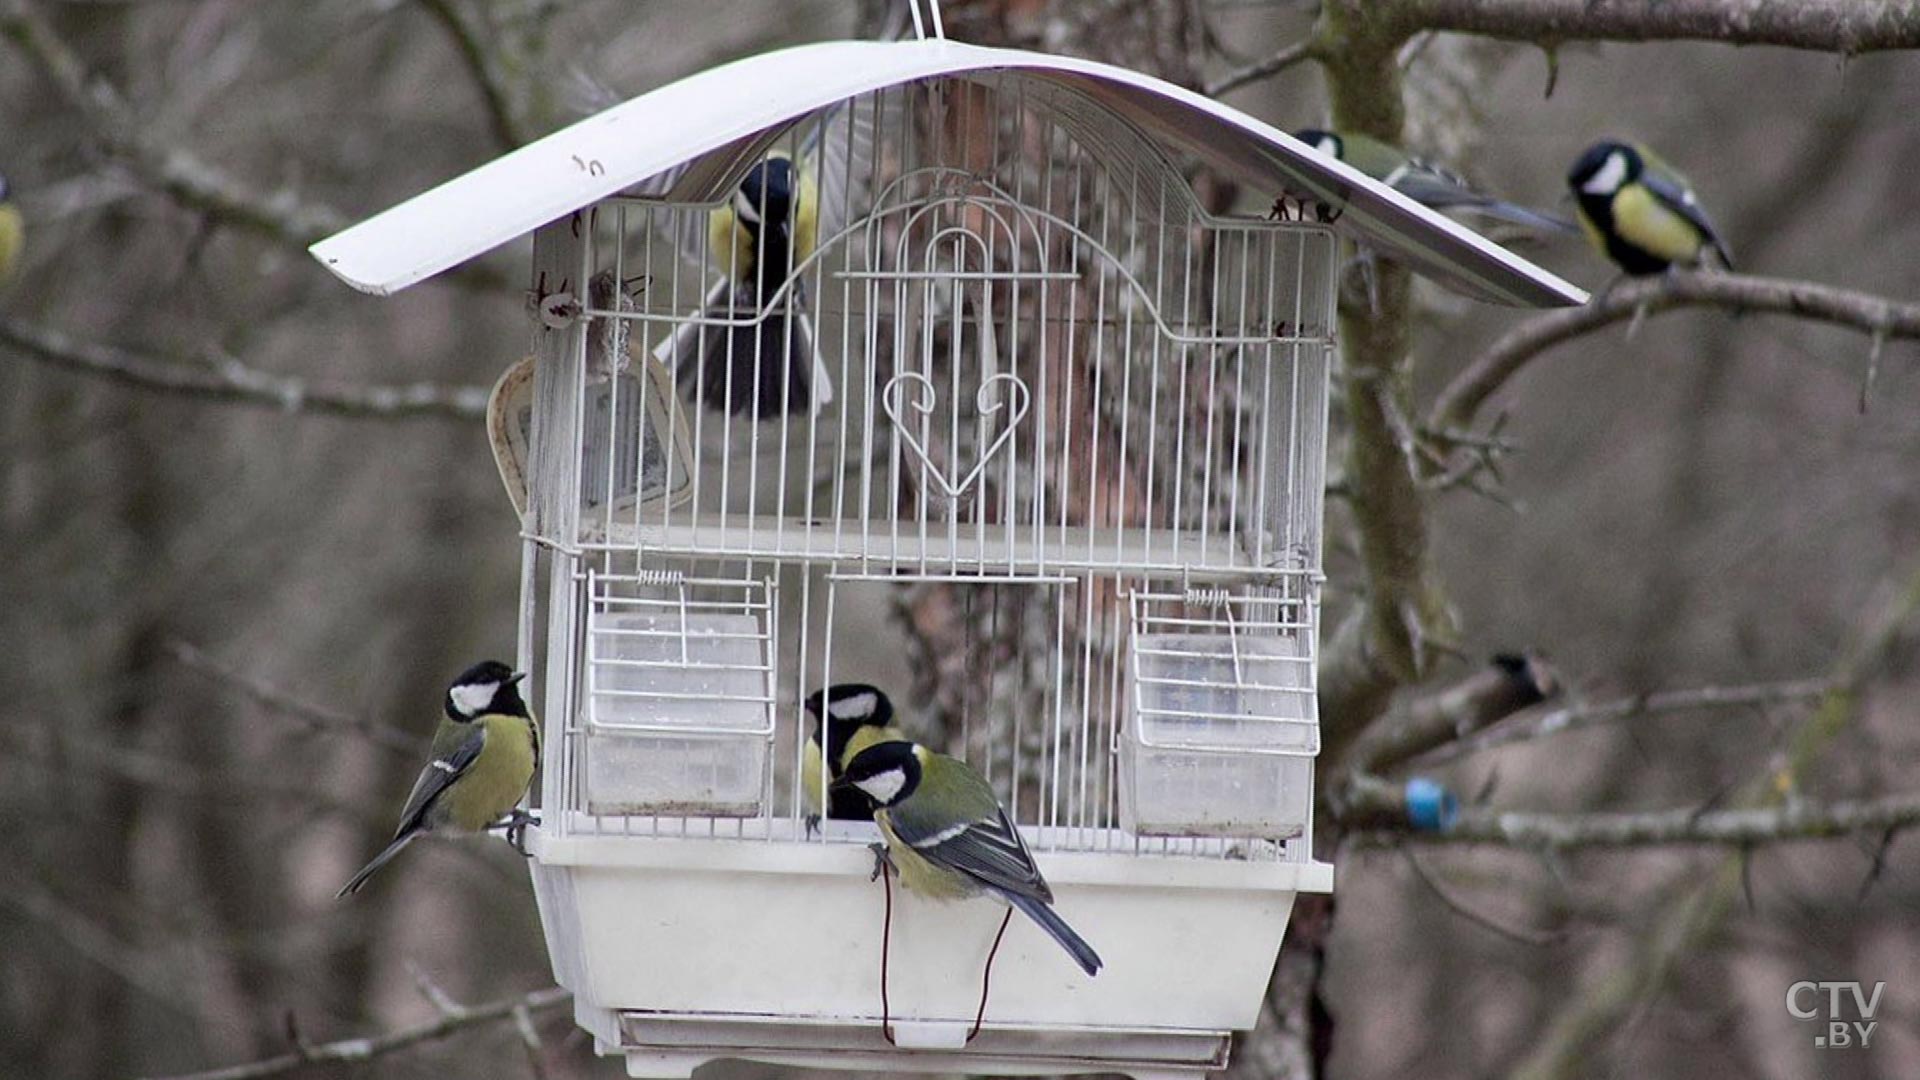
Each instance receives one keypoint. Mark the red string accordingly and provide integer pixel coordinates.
(986, 976)
(886, 937)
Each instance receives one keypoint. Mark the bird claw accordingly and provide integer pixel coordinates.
(516, 829)
(813, 824)
(882, 862)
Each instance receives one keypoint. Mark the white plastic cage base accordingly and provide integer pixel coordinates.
(682, 950)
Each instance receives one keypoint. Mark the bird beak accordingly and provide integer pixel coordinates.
(515, 678)
(839, 783)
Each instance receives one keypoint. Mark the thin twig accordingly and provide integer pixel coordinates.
(1523, 934)
(314, 716)
(368, 1048)
(1875, 315)
(224, 379)
(489, 70)
(1261, 69)
(1847, 27)
(1580, 715)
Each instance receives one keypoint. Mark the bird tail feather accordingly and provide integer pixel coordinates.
(737, 369)
(1512, 214)
(1057, 928)
(380, 860)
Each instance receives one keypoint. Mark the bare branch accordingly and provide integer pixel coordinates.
(1272, 65)
(313, 716)
(283, 215)
(1683, 825)
(491, 73)
(222, 378)
(1522, 934)
(1482, 699)
(1877, 316)
(1580, 715)
(1848, 27)
(368, 1048)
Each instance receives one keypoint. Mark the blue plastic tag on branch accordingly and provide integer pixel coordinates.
(1430, 806)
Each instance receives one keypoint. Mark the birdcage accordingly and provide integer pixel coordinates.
(1026, 432)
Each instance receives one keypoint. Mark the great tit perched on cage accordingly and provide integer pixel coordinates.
(1426, 184)
(855, 716)
(1640, 213)
(948, 837)
(484, 753)
(13, 232)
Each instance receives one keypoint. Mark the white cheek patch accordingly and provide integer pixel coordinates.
(1608, 180)
(853, 707)
(744, 208)
(1328, 146)
(472, 700)
(884, 786)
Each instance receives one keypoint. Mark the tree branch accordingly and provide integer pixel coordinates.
(313, 716)
(1684, 825)
(1261, 69)
(1878, 316)
(490, 71)
(282, 216)
(1474, 703)
(1581, 715)
(1848, 27)
(222, 378)
(448, 1022)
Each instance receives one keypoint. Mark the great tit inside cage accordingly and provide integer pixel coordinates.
(13, 232)
(948, 837)
(484, 753)
(754, 354)
(1640, 213)
(1426, 184)
(855, 716)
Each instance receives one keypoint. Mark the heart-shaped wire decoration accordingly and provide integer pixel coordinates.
(1016, 402)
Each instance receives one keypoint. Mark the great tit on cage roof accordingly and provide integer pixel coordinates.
(483, 757)
(949, 837)
(1640, 213)
(1424, 183)
(13, 232)
(855, 716)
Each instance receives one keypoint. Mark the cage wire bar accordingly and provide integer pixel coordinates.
(1032, 373)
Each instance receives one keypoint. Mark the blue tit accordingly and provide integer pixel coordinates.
(13, 232)
(1428, 185)
(1640, 213)
(757, 238)
(855, 715)
(949, 837)
(484, 754)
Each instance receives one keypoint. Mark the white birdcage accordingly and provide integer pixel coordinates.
(1027, 391)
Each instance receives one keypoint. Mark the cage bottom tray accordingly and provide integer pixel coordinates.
(685, 949)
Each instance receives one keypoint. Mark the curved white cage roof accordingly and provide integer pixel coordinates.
(721, 116)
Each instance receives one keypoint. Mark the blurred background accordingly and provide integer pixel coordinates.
(229, 625)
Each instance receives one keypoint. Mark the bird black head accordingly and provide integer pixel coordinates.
(1530, 678)
(487, 687)
(850, 706)
(884, 772)
(766, 193)
(1324, 141)
(1605, 168)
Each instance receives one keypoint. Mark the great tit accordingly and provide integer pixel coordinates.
(1428, 185)
(484, 754)
(756, 238)
(1640, 213)
(13, 232)
(948, 837)
(856, 716)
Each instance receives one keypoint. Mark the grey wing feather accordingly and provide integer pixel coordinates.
(990, 851)
(439, 775)
(1674, 193)
(1443, 191)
